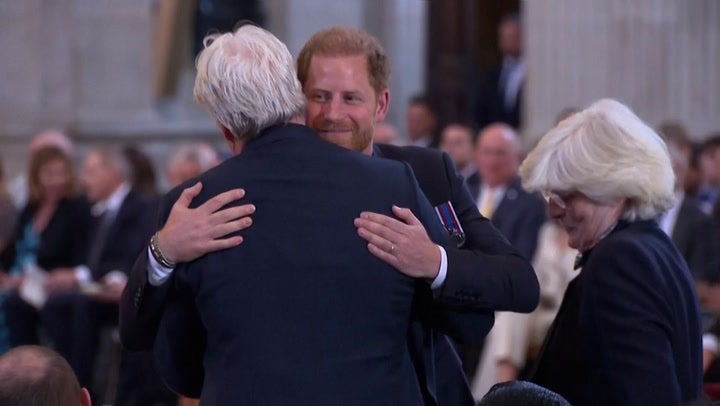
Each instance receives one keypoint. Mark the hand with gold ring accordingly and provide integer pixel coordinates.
(402, 242)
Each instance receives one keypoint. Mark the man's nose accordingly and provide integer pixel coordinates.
(333, 109)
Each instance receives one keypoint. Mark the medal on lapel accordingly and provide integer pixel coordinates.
(449, 220)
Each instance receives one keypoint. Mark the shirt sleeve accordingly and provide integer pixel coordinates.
(157, 274)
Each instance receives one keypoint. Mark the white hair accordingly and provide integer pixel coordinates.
(114, 158)
(606, 153)
(247, 80)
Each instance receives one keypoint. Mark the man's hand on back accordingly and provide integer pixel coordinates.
(191, 233)
(403, 243)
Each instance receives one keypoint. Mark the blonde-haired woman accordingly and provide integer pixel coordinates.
(628, 330)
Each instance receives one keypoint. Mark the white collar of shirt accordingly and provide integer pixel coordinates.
(668, 220)
(112, 204)
(514, 74)
(422, 141)
(498, 193)
(468, 170)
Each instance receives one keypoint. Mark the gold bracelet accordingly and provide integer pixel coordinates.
(157, 253)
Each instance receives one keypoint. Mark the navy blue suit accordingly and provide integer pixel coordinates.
(301, 312)
(628, 331)
(519, 215)
(484, 274)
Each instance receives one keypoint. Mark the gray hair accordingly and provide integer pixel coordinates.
(606, 153)
(199, 153)
(114, 158)
(247, 80)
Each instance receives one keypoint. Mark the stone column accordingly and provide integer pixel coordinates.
(661, 57)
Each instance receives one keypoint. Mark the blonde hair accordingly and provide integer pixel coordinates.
(247, 80)
(606, 153)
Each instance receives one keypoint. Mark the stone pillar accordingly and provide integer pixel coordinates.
(661, 57)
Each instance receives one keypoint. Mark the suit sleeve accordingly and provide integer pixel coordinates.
(180, 342)
(464, 325)
(623, 313)
(487, 273)
(141, 304)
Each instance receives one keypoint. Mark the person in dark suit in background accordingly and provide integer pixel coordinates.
(421, 122)
(628, 331)
(690, 228)
(290, 341)
(496, 189)
(483, 271)
(499, 96)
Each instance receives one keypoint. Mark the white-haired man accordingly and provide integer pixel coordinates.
(302, 276)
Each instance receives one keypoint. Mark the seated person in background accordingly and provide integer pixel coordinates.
(514, 342)
(458, 141)
(37, 376)
(189, 161)
(142, 172)
(51, 234)
(690, 228)
(8, 212)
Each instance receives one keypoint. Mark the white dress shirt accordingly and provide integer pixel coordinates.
(111, 206)
(497, 192)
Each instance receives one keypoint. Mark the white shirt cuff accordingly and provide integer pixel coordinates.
(83, 275)
(157, 274)
(440, 278)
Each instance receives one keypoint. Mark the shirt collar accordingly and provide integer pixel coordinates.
(112, 204)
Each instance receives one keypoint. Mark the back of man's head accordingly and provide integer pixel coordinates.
(247, 80)
(37, 376)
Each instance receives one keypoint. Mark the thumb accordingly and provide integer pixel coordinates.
(189, 194)
(405, 215)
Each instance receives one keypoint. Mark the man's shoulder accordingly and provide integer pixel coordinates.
(417, 157)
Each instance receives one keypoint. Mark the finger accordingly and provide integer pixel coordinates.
(219, 201)
(188, 194)
(394, 232)
(375, 239)
(221, 230)
(224, 243)
(382, 255)
(406, 215)
(382, 219)
(232, 213)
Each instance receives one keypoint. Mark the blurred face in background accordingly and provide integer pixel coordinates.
(99, 178)
(457, 141)
(420, 121)
(510, 38)
(182, 170)
(51, 176)
(55, 178)
(497, 155)
(710, 166)
(342, 105)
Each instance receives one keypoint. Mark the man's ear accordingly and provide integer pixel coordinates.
(383, 103)
(85, 397)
